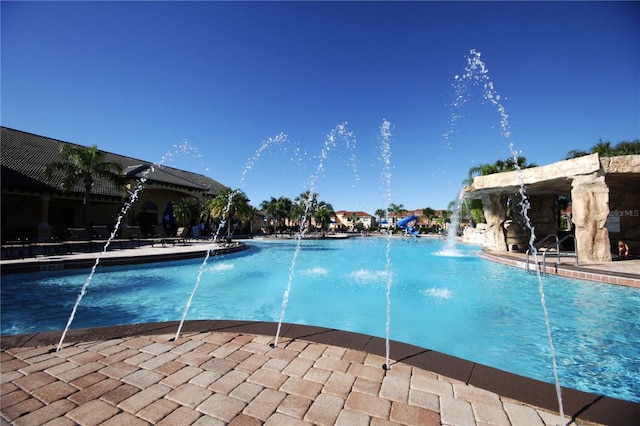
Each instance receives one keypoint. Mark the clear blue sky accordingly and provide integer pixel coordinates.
(138, 78)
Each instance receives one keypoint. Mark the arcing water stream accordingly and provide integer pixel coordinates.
(280, 139)
(477, 73)
(341, 133)
(133, 196)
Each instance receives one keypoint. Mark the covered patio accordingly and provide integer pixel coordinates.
(590, 202)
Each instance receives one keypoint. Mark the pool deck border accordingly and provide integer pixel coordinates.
(617, 273)
(121, 257)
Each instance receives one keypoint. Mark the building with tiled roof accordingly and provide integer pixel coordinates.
(344, 219)
(33, 205)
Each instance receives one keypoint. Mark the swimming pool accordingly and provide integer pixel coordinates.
(461, 305)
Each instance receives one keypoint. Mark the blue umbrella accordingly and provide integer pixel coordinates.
(168, 219)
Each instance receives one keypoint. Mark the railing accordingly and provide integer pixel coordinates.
(540, 244)
(573, 254)
(553, 249)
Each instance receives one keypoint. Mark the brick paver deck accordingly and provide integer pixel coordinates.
(246, 383)
(117, 376)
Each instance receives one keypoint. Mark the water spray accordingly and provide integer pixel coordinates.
(340, 132)
(476, 73)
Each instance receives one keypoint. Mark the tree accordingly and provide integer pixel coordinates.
(247, 215)
(271, 209)
(229, 204)
(604, 149)
(278, 210)
(398, 210)
(186, 210)
(84, 165)
(508, 165)
(306, 205)
(628, 148)
(444, 218)
(354, 219)
(428, 213)
(575, 153)
(323, 215)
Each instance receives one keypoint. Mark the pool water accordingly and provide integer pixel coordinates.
(458, 304)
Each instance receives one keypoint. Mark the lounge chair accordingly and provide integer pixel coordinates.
(58, 241)
(79, 234)
(134, 234)
(81, 239)
(183, 232)
(102, 234)
(164, 238)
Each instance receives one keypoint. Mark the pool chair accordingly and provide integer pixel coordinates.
(159, 232)
(81, 240)
(101, 234)
(135, 236)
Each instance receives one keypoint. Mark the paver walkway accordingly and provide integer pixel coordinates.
(218, 378)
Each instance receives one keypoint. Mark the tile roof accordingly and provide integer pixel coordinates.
(357, 213)
(24, 157)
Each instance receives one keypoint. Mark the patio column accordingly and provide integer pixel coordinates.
(44, 230)
(494, 212)
(590, 208)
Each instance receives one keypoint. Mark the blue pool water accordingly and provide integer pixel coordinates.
(459, 305)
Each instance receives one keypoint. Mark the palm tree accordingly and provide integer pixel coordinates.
(604, 149)
(284, 209)
(271, 209)
(428, 213)
(306, 206)
(628, 148)
(354, 219)
(508, 165)
(277, 210)
(381, 215)
(398, 210)
(227, 205)
(323, 215)
(83, 165)
(248, 215)
(575, 153)
(186, 210)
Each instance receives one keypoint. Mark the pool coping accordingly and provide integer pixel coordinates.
(122, 257)
(590, 273)
(576, 404)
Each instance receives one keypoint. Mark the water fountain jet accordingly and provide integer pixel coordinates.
(385, 149)
(452, 232)
(340, 132)
(133, 196)
(477, 73)
(267, 143)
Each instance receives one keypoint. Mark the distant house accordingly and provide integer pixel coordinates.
(35, 208)
(350, 220)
